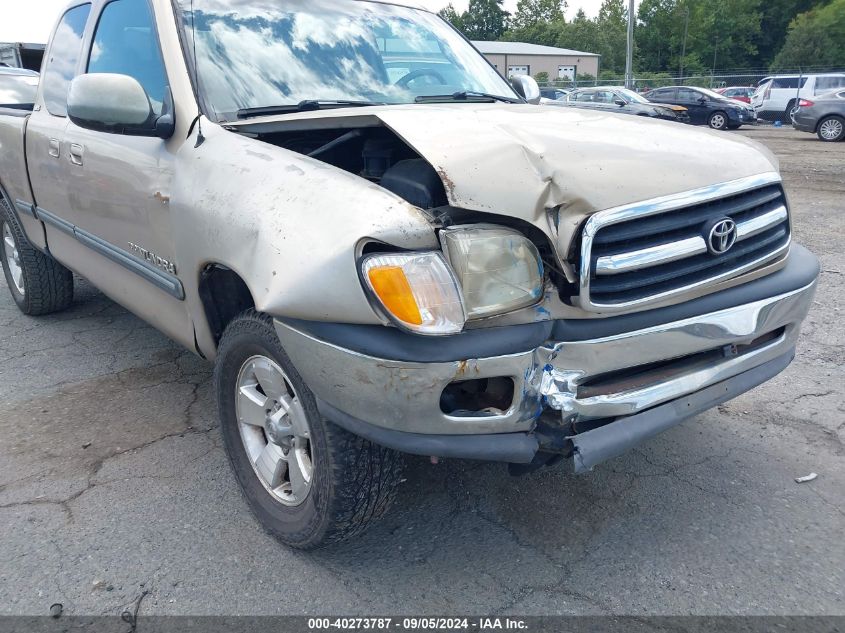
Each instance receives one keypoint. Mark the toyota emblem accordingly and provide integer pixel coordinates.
(722, 236)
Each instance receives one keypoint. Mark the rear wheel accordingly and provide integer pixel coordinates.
(308, 481)
(718, 121)
(831, 129)
(38, 283)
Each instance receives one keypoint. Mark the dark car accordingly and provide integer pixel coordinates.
(706, 107)
(824, 116)
(17, 88)
(555, 94)
(623, 101)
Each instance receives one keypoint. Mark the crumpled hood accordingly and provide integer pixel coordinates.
(526, 161)
(523, 161)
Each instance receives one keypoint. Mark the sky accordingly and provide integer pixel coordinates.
(32, 20)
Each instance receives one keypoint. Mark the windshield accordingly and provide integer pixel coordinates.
(260, 54)
(17, 90)
(630, 96)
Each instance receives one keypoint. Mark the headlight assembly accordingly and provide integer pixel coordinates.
(498, 269)
(417, 291)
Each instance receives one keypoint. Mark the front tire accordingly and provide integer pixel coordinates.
(309, 482)
(831, 129)
(718, 121)
(38, 283)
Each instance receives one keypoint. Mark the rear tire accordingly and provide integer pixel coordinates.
(831, 129)
(349, 481)
(38, 283)
(718, 121)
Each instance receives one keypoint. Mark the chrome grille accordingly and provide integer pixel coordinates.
(651, 251)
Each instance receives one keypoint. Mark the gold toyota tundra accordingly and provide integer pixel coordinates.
(386, 248)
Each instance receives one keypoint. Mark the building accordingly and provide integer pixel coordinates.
(518, 58)
(21, 55)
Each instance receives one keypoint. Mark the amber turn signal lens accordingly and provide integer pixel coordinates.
(416, 290)
(394, 291)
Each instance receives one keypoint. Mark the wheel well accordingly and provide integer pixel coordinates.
(224, 296)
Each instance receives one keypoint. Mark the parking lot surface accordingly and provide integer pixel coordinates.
(113, 482)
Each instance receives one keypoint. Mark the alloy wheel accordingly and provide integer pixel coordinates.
(831, 129)
(13, 258)
(717, 121)
(274, 430)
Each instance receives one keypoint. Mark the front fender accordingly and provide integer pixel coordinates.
(287, 224)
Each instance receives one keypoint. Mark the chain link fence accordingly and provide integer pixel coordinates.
(750, 77)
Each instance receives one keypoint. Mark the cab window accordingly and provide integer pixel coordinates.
(65, 50)
(126, 43)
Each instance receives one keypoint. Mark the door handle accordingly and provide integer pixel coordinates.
(54, 147)
(76, 151)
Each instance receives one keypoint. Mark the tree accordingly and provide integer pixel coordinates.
(815, 38)
(530, 13)
(776, 16)
(484, 20)
(450, 14)
(612, 27)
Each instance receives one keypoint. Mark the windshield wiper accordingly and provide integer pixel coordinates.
(466, 95)
(304, 106)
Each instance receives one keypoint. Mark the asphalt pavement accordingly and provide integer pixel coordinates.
(113, 482)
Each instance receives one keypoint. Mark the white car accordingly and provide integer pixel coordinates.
(776, 96)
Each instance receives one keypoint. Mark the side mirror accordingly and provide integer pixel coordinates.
(527, 88)
(703, 100)
(620, 102)
(117, 104)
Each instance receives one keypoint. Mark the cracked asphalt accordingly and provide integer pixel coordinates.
(113, 481)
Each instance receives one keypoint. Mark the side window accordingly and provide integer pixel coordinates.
(126, 43)
(688, 96)
(64, 55)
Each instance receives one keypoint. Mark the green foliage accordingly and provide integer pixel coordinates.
(542, 78)
(815, 38)
(530, 13)
(697, 37)
(484, 20)
(450, 14)
(719, 34)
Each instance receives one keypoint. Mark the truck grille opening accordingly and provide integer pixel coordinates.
(650, 256)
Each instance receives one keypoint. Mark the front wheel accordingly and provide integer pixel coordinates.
(307, 481)
(718, 121)
(831, 129)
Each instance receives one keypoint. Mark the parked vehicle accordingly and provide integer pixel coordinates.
(776, 97)
(705, 106)
(554, 94)
(17, 88)
(738, 93)
(379, 266)
(623, 101)
(824, 116)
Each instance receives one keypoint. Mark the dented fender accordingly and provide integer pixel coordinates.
(288, 225)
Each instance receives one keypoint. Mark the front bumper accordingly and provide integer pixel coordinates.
(609, 378)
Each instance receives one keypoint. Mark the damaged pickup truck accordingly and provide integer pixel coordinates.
(386, 248)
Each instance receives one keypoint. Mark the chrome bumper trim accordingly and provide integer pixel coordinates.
(405, 396)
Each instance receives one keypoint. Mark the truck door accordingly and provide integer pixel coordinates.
(119, 185)
(46, 154)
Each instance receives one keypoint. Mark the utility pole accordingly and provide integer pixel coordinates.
(629, 60)
(684, 47)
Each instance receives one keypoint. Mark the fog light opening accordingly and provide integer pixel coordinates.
(482, 397)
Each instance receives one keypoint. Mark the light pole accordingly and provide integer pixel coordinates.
(629, 59)
(684, 46)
